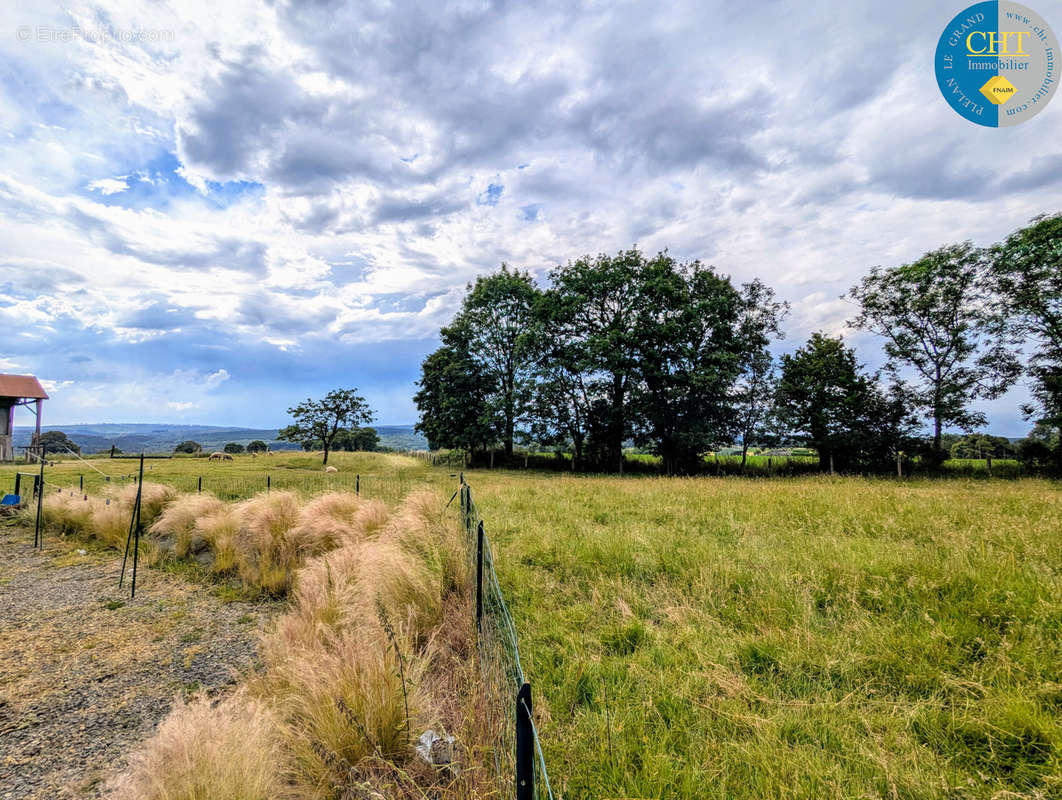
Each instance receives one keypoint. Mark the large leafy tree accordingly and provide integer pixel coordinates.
(188, 446)
(1027, 273)
(592, 308)
(321, 420)
(497, 317)
(57, 442)
(934, 320)
(690, 352)
(454, 397)
(829, 402)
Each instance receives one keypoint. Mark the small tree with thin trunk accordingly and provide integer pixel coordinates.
(321, 420)
(935, 321)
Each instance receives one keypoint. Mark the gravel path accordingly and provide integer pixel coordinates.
(86, 673)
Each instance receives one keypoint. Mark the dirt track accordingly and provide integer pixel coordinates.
(86, 673)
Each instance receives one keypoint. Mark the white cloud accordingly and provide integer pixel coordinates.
(109, 186)
(215, 379)
(367, 138)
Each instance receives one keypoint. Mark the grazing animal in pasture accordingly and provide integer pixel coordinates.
(331, 469)
(220, 457)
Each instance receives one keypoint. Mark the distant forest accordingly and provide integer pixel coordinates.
(676, 359)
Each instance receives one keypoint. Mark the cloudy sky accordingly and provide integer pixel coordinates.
(208, 212)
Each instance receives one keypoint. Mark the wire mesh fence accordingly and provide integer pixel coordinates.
(515, 749)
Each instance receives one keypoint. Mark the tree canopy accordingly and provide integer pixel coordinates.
(57, 442)
(933, 319)
(321, 420)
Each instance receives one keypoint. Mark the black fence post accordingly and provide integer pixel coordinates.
(269, 483)
(200, 489)
(479, 577)
(38, 534)
(81, 483)
(18, 485)
(525, 746)
(136, 531)
(357, 484)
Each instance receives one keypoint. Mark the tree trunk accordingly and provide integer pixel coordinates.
(744, 454)
(325, 462)
(616, 423)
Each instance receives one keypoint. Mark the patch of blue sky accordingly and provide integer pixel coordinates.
(529, 213)
(491, 196)
(157, 184)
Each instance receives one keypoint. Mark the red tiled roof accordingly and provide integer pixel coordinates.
(22, 386)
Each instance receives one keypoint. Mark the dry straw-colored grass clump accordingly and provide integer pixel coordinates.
(104, 518)
(349, 679)
(234, 750)
(178, 523)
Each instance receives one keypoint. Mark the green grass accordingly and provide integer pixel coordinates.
(383, 477)
(732, 637)
(812, 637)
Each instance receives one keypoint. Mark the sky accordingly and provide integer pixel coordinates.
(211, 212)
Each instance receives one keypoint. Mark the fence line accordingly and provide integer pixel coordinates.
(516, 750)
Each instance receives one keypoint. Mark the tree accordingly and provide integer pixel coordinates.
(592, 308)
(934, 321)
(322, 419)
(455, 411)
(761, 322)
(233, 447)
(188, 446)
(496, 317)
(257, 446)
(57, 442)
(689, 354)
(1027, 274)
(364, 440)
(358, 439)
(828, 402)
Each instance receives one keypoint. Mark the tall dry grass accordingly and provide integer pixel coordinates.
(106, 518)
(178, 522)
(232, 750)
(345, 665)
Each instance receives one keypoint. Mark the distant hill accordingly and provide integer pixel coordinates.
(134, 438)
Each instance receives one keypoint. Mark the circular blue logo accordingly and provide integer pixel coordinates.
(997, 63)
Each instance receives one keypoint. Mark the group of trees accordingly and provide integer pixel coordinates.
(235, 448)
(675, 358)
(618, 348)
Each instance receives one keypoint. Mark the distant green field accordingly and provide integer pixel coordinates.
(387, 477)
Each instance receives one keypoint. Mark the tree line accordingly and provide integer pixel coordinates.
(677, 359)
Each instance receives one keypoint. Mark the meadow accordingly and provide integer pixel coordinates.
(380, 476)
(809, 637)
(736, 637)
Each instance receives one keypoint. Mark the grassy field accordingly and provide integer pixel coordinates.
(383, 477)
(806, 637)
(809, 637)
